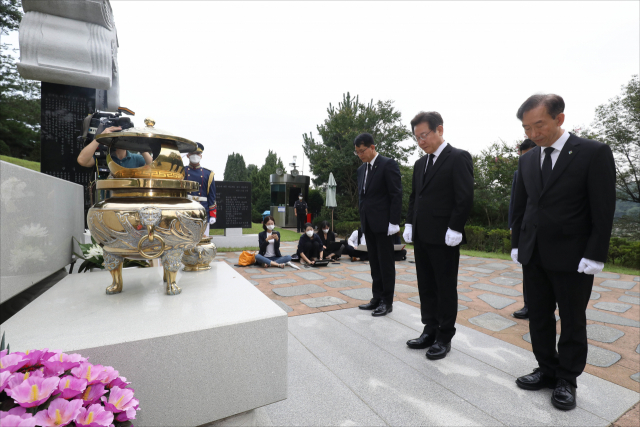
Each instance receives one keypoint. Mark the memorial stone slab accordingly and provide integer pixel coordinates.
(603, 333)
(322, 301)
(618, 284)
(612, 306)
(496, 289)
(405, 289)
(467, 279)
(464, 298)
(308, 275)
(462, 307)
(407, 277)
(267, 276)
(594, 296)
(492, 321)
(496, 266)
(363, 276)
(282, 281)
(636, 377)
(480, 270)
(283, 306)
(293, 291)
(363, 294)
(505, 281)
(464, 290)
(630, 300)
(633, 294)
(608, 275)
(599, 316)
(359, 267)
(597, 356)
(415, 299)
(496, 301)
(599, 289)
(342, 283)
(514, 274)
(481, 275)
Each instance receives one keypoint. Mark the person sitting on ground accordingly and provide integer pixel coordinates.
(350, 247)
(310, 245)
(269, 243)
(329, 245)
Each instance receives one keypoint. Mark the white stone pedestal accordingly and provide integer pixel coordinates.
(214, 351)
(233, 238)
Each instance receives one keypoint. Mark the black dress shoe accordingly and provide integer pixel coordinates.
(536, 381)
(438, 351)
(382, 309)
(523, 313)
(423, 341)
(371, 305)
(564, 395)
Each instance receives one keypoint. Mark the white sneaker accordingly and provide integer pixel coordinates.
(290, 264)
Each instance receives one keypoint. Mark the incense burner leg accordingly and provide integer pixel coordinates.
(171, 263)
(113, 263)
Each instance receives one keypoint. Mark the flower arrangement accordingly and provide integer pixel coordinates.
(52, 388)
(93, 257)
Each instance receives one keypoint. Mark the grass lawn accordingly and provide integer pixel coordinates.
(20, 162)
(285, 235)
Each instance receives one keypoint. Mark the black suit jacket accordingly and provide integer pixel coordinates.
(382, 203)
(444, 199)
(571, 218)
(262, 243)
(511, 200)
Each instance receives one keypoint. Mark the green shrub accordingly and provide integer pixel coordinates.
(345, 228)
(624, 253)
(475, 237)
(495, 241)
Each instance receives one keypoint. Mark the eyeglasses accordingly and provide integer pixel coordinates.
(358, 152)
(422, 136)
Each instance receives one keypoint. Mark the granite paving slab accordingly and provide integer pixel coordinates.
(467, 279)
(464, 298)
(252, 270)
(496, 266)
(636, 279)
(514, 274)
(638, 349)
(618, 284)
(464, 257)
(636, 377)
(496, 301)
(359, 267)
(337, 276)
(462, 307)
(601, 357)
(603, 333)
(594, 296)
(292, 291)
(464, 290)
(612, 306)
(322, 301)
(481, 275)
(283, 281)
(633, 294)
(608, 275)
(309, 275)
(342, 283)
(496, 289)
(405, 288)
(363, 276)
(407, 277)
(363, 294)
(630, 300)
(505, 281)
(254, 283)
(411, 270)
(282, 305)
(415, 299)
(267, 276)
(472, 261)
(599, 289)
(492, 321)
(232, 261)
(600, 316)
(480, 270)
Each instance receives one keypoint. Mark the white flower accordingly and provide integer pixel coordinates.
(33, 230)
(94, 251)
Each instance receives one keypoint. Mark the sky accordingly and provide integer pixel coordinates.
(248, 77)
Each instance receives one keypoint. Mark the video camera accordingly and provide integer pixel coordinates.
(95, 123)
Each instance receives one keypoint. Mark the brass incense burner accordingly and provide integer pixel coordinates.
(147, 214)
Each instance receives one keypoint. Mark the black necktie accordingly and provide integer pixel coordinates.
(429, 164)
(367, 177)
(546, 165)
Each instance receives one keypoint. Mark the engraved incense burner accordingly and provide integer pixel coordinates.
(147, 214)
(199, 257)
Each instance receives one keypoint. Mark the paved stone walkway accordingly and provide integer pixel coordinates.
(489, 290)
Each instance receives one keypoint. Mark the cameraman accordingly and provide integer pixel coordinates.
(122, 157)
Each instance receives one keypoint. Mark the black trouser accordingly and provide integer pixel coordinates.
(383, 266)
(354, 253)
(311, 249)
(524, 291)
(301, 220)
(333, 248)
(571, 291)
(437, 269)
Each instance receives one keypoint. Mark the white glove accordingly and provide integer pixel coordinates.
(588, 266)
(408, 233)
(393, 229)
(514, 255)
(212, 220)
(452, 238)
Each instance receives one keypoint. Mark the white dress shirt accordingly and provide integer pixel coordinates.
(353, 239)
(270, 251)
(558, 147)
(366, 172)
(436, 154)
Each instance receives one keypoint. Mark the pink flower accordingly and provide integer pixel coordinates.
(34, 391)
(4, 379)
(110, 375)
(92, 394)
(16, 421)
(71, 386)
(118, 382)
(12, 362)
(4, 352)
(58, 363)
(129, 414)
(92, 373)
(94, 416)
(59, 413)
(34, 357)
(120, 399)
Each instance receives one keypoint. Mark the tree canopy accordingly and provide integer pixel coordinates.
(260, 187)
(235, 169)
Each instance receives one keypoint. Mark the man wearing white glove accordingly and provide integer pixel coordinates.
(439, 206)
(379, 203)
(207, 193)
(562, 220)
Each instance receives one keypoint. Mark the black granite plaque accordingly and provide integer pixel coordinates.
(234, 204)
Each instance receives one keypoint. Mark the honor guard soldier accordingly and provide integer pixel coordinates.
(207, 193)
(300, 209)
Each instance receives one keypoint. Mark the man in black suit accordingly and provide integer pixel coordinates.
(379, 202)
(439, 206)
(562, 219)
(526, 145)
